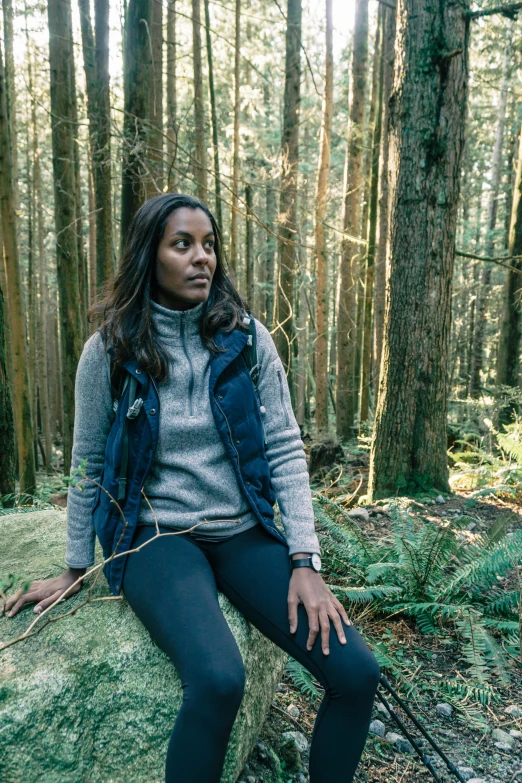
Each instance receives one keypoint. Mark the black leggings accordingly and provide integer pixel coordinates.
(172, 586)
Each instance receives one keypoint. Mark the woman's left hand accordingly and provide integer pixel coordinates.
(308, 588)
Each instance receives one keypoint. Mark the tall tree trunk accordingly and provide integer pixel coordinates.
(96, 65)
(61, 67)
(351, 252)
(200, 157)
(249, 245)
(101, 158)
(8, 217)
(172, 109)
(155, 156)
(32, 275)
(321, 272)
(10, 90)
(366, 358)
(43, 310)
(477, 357)
(380, 270)
(509, 343)
(137, 72)
(427, 118)
(7, 433)
(288, 229)
(92, 235)
(271, 252)
(234, 216)
(215, 121)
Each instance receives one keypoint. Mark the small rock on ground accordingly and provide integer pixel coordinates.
(392, 737)
(297, 738)
(360, 513)
(293, 710)
(401, 744)
(501, 736)
(477, 780)
(503, 746)
(444, 709)
(514, 710)
(377, 727)
(404, 746)
(515, 733)
(440, 499)
(466, 772)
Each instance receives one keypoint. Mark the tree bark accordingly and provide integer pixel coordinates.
(380, 270)
(346, 397)
(213, 111)
(427, 117)
(200, 157)
(83, 272)
(172, 110)
(10, 90)
(22, 397)
(155, 156)
(136, 122)
(61, 68)
(234, 216)
(366, 358)
(288, 229)
(509, 343)
(43, 310)
(477, 356)
(7, 432)
(321, 271)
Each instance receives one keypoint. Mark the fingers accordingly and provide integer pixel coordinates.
(336, 620)
(292, 612)
(324, 621)
(313, 625)
(15, 598)
(342, 611)
(16, 601)
(48, 601)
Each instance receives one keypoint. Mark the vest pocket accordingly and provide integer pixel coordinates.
(282, 398)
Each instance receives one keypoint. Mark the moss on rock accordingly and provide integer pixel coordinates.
(91, 699)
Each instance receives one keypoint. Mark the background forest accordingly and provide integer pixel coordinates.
(365, 163)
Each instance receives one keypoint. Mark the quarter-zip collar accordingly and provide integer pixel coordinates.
(168, 323)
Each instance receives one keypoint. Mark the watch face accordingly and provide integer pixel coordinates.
(316, 562)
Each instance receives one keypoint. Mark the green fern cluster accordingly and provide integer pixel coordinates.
(430, 571)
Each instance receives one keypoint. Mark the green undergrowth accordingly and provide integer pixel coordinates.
(457, 592)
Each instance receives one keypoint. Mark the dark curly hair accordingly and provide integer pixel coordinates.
(127, 326)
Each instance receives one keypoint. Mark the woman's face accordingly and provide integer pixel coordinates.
(186, 260)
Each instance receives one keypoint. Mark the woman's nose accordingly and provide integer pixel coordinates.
(199, 256)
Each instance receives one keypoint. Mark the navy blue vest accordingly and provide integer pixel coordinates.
(235, 408)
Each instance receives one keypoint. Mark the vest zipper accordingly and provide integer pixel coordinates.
(283, 406)
(191, 378)
(229, 430)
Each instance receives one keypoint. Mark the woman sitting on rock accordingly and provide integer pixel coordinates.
(169, 411)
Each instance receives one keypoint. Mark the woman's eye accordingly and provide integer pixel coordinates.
(210, 243)
(181, 243)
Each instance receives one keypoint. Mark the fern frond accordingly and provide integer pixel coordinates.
(303, 680)
(365, 594)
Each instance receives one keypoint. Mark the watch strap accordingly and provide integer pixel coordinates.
(302, 562)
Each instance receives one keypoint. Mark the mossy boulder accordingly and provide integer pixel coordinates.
(91, 698)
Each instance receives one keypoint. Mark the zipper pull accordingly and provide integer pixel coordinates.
(135, 408)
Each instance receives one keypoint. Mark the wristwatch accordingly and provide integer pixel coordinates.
(313, 561)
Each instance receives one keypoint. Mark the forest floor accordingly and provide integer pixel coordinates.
(466, 743)
(466, 736)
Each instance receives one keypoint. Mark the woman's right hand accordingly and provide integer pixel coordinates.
(44, 592)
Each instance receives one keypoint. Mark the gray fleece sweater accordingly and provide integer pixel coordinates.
(191, 479)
